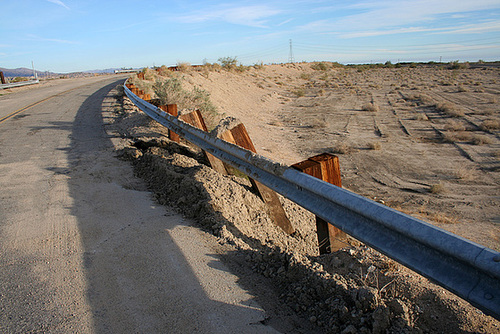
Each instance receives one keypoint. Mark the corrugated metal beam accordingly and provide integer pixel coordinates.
(465, 268)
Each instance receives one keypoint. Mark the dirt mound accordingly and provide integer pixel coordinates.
(353, 290)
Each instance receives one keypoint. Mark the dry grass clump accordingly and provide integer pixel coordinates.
(490, 124)
(438, 188)
(342, 148)
(457, 136)
(441, 218)
(299, 92)
(481, 140)
(373, 107)
(305, 76)
(465, 173)
(375, 145)
(450, 109)
(184, 67)
(454, 125)
(421, 117)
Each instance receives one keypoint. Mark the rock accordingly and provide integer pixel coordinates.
(350, 330)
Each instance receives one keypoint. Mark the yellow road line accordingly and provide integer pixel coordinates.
(41, 101)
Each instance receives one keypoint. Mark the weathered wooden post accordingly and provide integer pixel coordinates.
(195, 118)
(327, 168)
(238, 135)
(2, 78)
(172, 110)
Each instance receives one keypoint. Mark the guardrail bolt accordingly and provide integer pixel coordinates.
(488, 296)
(496, 258)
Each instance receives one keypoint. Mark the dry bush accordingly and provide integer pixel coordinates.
(441, 218)
(450, 109)
(299, 92)
(342, 148)
(457, 136)
(321, 66)
(422, 117)
(438, 188)
(184, 67)
(465, 172)
(375, 145)
(481, 140)
(318, 123)
(492, 100)
(454, 125)
(462, 89)
(305, 76)
(490, 124)
(373, 107)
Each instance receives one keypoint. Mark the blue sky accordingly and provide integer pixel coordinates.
(76, 35)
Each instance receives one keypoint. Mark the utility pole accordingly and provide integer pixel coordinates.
(291, 59)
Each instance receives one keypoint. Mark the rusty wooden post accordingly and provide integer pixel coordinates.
(172, 110)
(195, 118)
(239, 136)
(327, 168)
(2, 78)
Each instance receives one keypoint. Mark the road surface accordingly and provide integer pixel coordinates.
(83, 247)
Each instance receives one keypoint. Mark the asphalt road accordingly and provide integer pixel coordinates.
(83, 248)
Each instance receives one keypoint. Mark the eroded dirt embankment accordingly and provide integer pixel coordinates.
(353, 290)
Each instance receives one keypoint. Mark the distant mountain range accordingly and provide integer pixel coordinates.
(27, 72)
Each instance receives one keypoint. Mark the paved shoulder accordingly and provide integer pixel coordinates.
(84, 248)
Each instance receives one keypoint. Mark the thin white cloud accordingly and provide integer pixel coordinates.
(470, 28)
(37, 38)
(375, 18)
(253, 16)
(59, 2)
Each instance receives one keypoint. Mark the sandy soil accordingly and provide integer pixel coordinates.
(405, 153)
(394, 155)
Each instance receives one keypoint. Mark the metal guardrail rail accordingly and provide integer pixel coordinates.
(463, 267)
(19, 84)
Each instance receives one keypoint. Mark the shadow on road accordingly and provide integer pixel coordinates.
(135, 252)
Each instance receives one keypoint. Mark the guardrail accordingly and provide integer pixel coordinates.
(19, 84)
(465, 268)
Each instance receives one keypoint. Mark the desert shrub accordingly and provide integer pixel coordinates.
(373, 107)
(480, 140)
(228, 63)
(490, 124)
(200, 99)
(450, 109)
(299, 92)
(19, 79)
(321, 66)
(184, 66)
(421, 117)
(465, 173)
(258, 66)
(462, 89)
(458, 136)
(305, 76)
(342, 148)
(454, 125)
(438, 188)
(170, 91)
(492, 100)
(376, 146)
(455, 65)
(425, 99)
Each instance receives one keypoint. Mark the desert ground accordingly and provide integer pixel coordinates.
(422, 139)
